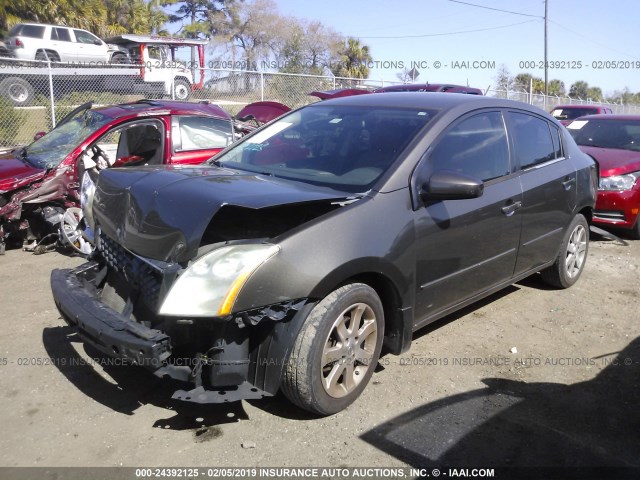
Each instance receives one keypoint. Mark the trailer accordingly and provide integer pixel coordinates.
(154, 71)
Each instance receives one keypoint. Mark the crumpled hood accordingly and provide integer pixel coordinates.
(613, 161)
(14, 173)
(162, 213)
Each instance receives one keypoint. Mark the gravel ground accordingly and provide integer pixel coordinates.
(531, 376)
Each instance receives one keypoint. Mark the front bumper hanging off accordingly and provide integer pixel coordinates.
(253, 376)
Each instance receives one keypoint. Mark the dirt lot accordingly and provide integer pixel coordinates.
(531, 376)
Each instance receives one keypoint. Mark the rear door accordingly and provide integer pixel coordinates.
(548, 185)
(465, 247)
(62, 43)
(197, 138)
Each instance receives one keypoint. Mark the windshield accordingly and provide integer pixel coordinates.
(344, 147)
(569, 113)
(620, 134)
(50, 150)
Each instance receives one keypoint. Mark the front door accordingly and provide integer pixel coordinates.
(465, 247)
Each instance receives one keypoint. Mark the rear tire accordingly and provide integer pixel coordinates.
(18, 91)
(570, 261)
(336, 350)
(119, 59)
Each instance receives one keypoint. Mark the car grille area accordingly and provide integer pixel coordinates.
(611, 215)
(139, 276)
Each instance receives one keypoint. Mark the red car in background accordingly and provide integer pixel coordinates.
(38, 182)
(614, 142)
(565, 114)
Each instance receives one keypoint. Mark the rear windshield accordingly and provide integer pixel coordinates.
(33, 31)
(569, 113)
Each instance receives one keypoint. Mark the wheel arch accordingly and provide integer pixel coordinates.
(587, 213)
(394, 292)
(182, 78)
(50, 53)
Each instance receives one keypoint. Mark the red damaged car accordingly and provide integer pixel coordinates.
(614, 142)
(40, 181)
(565, 114)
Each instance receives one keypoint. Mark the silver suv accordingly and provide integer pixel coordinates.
(34, 41)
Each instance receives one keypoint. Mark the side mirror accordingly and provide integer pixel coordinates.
(38, 136)
(448, 185)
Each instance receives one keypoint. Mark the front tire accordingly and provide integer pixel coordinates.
(635, 231)
(336, 351)
(570, 261)
(181, 90)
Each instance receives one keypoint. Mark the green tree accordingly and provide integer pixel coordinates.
(253, 31)
(579, 89)
(309, 47)
(595, 93)
(354, 60)
(557, 88)
(102, 17)
(529, 83)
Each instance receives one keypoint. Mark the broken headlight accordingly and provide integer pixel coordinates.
(619, 182)
(209, 287)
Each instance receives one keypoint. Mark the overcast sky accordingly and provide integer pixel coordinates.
(598, 39)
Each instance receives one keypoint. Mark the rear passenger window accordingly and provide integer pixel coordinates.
(32, 31)
(198, 133)
(60, 34)
(533, 141)
(476, 146)
(557, 142)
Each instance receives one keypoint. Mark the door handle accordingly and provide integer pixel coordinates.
(510, 209)
(568, 183)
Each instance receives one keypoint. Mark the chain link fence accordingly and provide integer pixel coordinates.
(34, 96)
(549, 102)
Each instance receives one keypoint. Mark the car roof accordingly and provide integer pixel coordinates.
(48, 25)
(429, 87)
(430, 100)
(578, 107)
(170, 107)
(608, 117)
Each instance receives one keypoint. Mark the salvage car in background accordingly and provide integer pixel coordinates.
(59, 43)
(565, 114)
(310, 243)
(40, 181)
(614, 142)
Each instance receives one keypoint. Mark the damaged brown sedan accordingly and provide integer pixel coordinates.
(342, 227)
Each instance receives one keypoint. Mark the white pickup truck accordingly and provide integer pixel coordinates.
(153, 71)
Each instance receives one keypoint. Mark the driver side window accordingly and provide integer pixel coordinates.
(476, 146)
(139, 143)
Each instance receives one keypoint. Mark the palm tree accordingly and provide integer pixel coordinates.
(354, 60)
